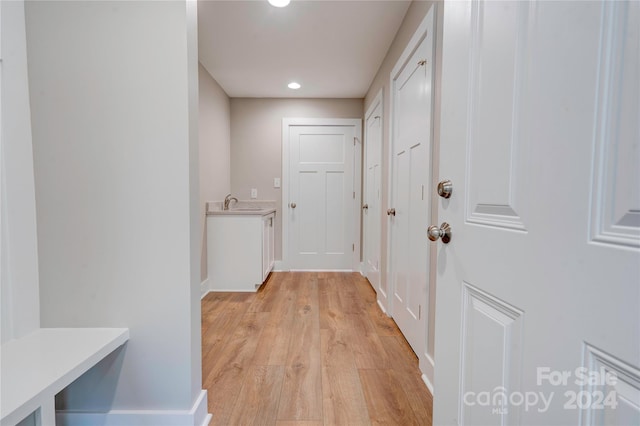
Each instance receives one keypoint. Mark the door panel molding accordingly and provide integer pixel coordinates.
(626, 389)
(493, 193)
(491, 351)
(615, 211)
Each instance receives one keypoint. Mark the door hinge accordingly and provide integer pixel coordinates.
(419, 311)
(354, 141)
(353, 247)
(354, 195)
(422, 192)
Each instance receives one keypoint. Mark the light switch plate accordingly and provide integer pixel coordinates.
(276, 182)
(254, 193)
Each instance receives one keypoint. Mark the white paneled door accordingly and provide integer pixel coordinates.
(372, 206)
(323, 195)
(538, 301)
(409, 206)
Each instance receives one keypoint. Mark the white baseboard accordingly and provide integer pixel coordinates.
(362, 269)
(205, 288)
(281, 266)
(428, 383)
(234, 290)
(384, 311)
(196, 416)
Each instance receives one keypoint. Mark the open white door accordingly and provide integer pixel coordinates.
(537, 312)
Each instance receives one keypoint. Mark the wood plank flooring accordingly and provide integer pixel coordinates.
(309, 348)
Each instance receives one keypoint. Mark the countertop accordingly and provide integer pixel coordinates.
(243, 211)
(242, 208)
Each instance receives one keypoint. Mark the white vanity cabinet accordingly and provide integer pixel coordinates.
(240, 249)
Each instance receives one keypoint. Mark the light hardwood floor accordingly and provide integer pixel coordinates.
(309, 348)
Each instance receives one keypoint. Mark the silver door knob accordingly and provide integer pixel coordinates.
(445, 188)
(391, 212)
(444, 232)
(365, 207)
(293, 205)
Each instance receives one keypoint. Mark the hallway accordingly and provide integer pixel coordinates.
(310, 348)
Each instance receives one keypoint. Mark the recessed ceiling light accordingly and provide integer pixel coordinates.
(293, 85)
(279, 3)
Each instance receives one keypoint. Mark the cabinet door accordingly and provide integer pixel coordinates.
(265, 246)
(272, 242)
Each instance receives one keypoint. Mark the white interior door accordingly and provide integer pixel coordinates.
(537, 318)
(322, 204)
(411, 91)
(372, 206)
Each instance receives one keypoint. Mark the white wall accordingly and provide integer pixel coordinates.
(256, 142)
(215, 138)
(19, 268)
(114, 112)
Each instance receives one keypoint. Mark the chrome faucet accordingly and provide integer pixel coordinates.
(227, 200)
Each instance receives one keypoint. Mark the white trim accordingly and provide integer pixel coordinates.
(235, 290)
(412, 45)
(357, 186)
(278, 266)
(377, 101)
(361, 270)
(389, 271)
(357, 172)
(196, 416)
(428, 383)
(417, 38)
(382, 308)
(205, 288)
(374, 104)
(427, 366)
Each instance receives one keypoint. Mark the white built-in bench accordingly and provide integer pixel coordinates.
(34, 368)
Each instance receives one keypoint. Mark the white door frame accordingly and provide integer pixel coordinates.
(426, 361)
(377, 101)
(357, 179)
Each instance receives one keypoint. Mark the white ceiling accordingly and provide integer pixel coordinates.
(332, 48)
